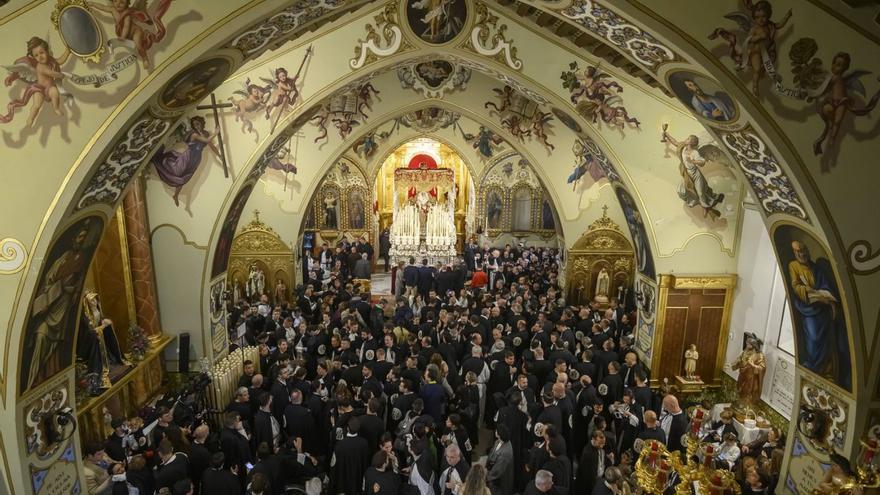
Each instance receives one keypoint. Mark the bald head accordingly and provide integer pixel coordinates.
(670, 403)
(800, 251)
(558, 390)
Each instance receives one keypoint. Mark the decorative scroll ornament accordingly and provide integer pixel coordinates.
(272, 29)
(627, 37)
(827, 431)
(42, 409)
(433, 78)
(771, 185)
(12, 256)
(373, 45)
(123, 162)
(500, 49)
(861, 259)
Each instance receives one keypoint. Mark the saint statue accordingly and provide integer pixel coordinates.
(280, 292)
(751, 365)
(97, 344)
(330, 217)
(603, 283)
(251, 285)
(690, 362)
(236, 291)
(261, 282)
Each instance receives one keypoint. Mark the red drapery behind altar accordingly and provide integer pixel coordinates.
(417, 161)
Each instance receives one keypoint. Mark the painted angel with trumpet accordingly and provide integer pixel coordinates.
(694, 189)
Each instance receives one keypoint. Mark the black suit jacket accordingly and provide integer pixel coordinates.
(235, 447)
(262, 431)
(676, 430)
(199, 460)
(220, 482)
(588, 468)
(174, 471)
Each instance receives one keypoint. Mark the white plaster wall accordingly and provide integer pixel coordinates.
(759, 303)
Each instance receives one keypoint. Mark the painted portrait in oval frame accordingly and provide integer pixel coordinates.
(436, 22)
(194, 83)
(703, 97)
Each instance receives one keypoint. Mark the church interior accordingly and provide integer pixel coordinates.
(439, 247)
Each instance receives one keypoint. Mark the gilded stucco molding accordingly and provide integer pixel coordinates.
(13, 255)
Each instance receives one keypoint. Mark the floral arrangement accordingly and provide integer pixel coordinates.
(138, 341)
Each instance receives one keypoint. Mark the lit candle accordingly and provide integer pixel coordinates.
(652, 456)
(662, 473)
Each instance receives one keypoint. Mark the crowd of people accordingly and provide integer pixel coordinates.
(475, 379)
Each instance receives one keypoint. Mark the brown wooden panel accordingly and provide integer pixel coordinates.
(672, 354)
(707, 340)
(714, 292)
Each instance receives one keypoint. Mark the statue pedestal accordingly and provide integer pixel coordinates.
(689, 386)
(124, 397)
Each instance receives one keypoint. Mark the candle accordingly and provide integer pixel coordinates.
(710, 454)
(662, 473)
(652, 456)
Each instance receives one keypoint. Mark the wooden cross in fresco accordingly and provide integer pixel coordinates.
(214, 106)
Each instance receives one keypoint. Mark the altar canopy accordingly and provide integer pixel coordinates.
(424, 215)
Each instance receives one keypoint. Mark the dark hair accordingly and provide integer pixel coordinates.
(218, 459)
(379, 459)
(263, 398)
(354, 425)
(503, 432)
(165, 447)
(260, 483)
(93, 448)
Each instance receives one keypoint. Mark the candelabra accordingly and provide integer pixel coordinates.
(867, 474)
(656, 466)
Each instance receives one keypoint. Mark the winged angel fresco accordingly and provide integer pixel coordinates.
(832, 89)
(595, 95)
(41, 73)
(759, 43)
(693, 158)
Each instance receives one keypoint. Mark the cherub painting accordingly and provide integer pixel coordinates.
(759, 43)
(596, 96)
(253, 98)
(834, 90)
(283, 92)
(41, 72)
(138, 23)
(177, 164)
(694, 189)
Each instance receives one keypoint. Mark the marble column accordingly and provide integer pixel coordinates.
(143, 280)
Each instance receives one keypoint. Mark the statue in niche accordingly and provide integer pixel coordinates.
(236, 290)
(330, 217)
(280, 292)
(256, 283)
(97, 344)
(690, 362)
(751, 366)
(603, 284)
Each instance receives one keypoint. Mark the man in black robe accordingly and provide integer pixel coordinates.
(351, 457)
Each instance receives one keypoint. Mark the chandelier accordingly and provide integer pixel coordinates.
(657, 468)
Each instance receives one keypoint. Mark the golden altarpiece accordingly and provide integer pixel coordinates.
(258, 261)
(600, 264)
